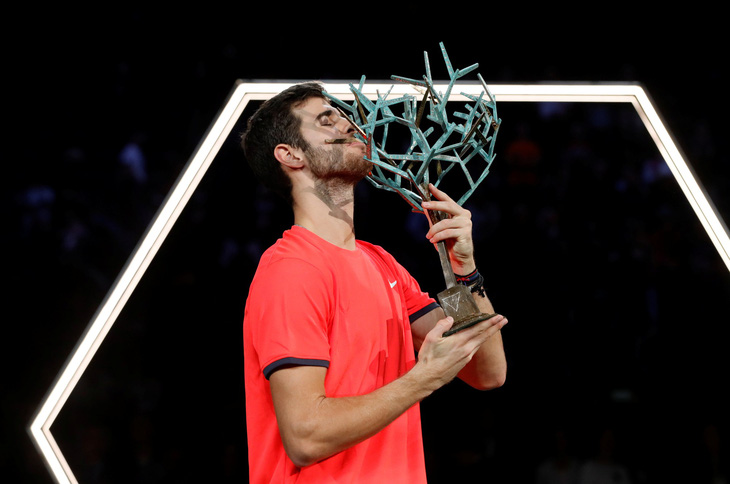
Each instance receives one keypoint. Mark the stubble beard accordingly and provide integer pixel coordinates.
(336, 163)
(336, 171)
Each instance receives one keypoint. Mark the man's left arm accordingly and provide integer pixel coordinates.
(488, 367)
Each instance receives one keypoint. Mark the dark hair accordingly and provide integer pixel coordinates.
(273, 123)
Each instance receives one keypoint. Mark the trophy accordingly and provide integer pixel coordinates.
(464, 146)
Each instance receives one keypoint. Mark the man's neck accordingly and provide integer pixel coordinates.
(327, 210)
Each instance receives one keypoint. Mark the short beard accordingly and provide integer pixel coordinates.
(335, 163)
(336, 172)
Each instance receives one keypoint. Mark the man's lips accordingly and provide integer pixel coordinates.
(350, 142)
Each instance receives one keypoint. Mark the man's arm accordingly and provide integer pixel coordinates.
(488, 369)
(314, 426)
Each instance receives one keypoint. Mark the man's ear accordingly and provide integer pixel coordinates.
(288, 156)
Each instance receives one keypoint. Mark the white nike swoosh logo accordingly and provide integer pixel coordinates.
(392, 284)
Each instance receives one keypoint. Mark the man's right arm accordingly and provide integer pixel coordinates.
(314, 426)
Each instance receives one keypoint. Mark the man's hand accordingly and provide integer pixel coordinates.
(441, 359)
(455, 230)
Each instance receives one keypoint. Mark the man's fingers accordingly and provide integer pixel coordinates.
(443, 325)
(485, 328)
(439, 194)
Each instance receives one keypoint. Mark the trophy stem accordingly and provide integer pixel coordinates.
(435, 216)
(449, 276)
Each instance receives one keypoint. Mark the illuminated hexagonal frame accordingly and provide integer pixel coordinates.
(240, 96)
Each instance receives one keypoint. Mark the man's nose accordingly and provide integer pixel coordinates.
(344, 126)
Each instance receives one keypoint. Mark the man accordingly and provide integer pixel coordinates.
(332, 323)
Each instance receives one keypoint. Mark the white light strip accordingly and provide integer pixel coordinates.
(695, 194)
(125, 284)
(242, 93)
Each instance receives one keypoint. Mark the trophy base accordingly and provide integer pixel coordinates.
(468, 323)
(458, 303)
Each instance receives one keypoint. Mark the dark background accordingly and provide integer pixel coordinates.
(615, 295)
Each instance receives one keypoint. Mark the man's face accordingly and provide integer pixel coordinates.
(322, 122)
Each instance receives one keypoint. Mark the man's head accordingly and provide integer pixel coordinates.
(272, 124)
(298, 130)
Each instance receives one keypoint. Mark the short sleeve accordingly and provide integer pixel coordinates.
(287, 314)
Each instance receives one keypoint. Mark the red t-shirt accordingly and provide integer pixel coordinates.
(313, 303)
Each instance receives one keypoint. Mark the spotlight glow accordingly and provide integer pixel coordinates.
(244, 92)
